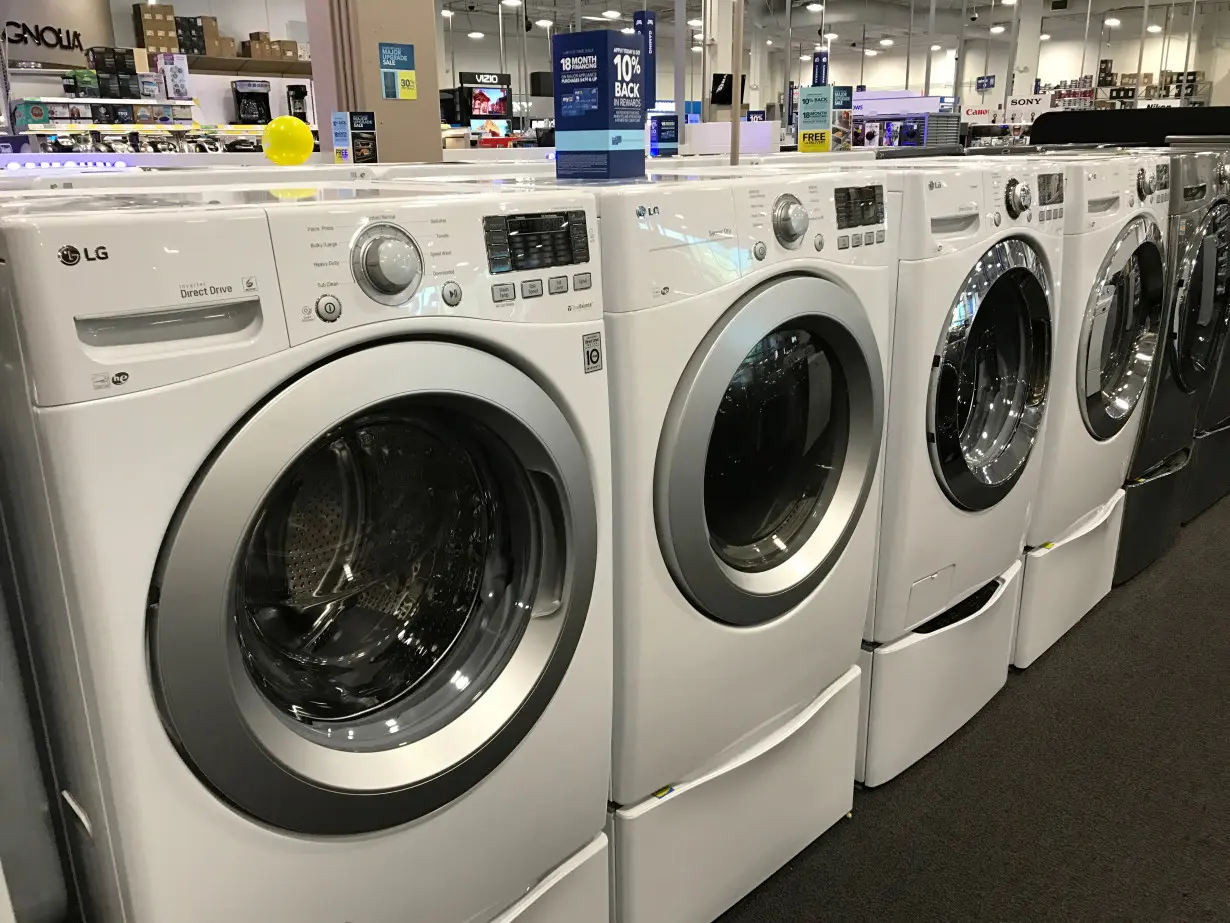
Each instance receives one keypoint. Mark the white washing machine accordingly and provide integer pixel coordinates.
(1107, 334)
(203, 176)
(747, 355)
(980, 253)
(313, 536)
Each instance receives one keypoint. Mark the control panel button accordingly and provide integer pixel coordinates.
(557, 285)
(856, 240)
(869, 238)
(1060, 211)
(531, 288)
(997, 218)
(818, 242)
(328, 308)
(451, 293)
(581, 281)
(843, 242)
(759, 250)
(503, 291)
(879, 237)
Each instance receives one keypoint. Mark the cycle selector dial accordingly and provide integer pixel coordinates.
(1145, 184)
(790, 221)
(1018, 198)
(387, 264)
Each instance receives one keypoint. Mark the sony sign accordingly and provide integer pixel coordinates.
(24, 33)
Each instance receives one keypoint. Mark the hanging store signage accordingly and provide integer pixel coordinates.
(820, 69)
(473, 79)
(645, 22)
(984, 83)
(397, 77)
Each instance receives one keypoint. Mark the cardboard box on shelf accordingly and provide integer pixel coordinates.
(190, 34)
(209, 26)
(109, 86)
(150, 87)
(227, 46)
(81, 83)
(101, 59)
(258, 36)
(305, 51)
(173, 68)
(286, 50)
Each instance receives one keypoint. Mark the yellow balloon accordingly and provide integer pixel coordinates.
(288, 141)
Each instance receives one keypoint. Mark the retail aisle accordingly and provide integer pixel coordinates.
(1096, 786)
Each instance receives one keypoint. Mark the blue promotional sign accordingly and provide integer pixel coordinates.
(397, 76)
(843, 97)
(756, 115)
(599, 105)
(820, 69)
(982, 84)
(663, 134)
(645, 22)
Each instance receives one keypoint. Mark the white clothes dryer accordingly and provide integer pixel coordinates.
(202, 176)
(748, 348)
(312, 531)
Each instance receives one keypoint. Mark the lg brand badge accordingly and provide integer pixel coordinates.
(71, 256)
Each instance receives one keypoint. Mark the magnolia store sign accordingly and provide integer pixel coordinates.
(58, 31)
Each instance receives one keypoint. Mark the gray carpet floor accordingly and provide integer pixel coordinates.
(1095, 786)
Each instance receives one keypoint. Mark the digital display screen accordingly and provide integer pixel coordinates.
(1163, 177)
(491, 128)
(535, 241)
(1050, 189)
(859, 206)
(489, 101)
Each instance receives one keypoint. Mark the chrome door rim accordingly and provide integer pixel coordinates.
(722, 592)
(1183, 279)
(228, 732)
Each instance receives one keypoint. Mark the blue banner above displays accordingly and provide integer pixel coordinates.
(599, 105)
(982, 84)
(820, 69)
(645, 22)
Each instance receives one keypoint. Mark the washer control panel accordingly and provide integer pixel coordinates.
(541, 240)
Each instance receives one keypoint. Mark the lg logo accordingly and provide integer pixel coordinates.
(646, 212)
(71, 256)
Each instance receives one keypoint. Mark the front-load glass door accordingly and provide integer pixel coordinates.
(374, 588)
(989, 376)
(769, 449)
(1120, 330)
(1201, 302)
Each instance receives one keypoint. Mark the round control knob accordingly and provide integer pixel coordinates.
(1144, 183)
(1017, 198)
(387, 264)
(789, 220)
(392, 265)
(818, 242)
(759, 250)
(328, 308)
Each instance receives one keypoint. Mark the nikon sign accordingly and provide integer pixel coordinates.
(56, 31)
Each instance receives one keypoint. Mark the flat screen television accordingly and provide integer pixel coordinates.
(489, 101)
(491, 128)
(721, 93)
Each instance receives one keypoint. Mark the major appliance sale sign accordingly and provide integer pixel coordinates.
(599, 105)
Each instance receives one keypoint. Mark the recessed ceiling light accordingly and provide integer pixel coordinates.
(886, 42)
(695, 23)
(768, 41)
(510, 2)
(475, 35)
(830, 36)
(697, 48)
(627, 30)
(544, 23)
(935, 47)
(447, 14)
(1008, 2)
(819, 48)
(871, 52)
(804, 57)
(1044, 37)
(996, 30)
(815, 7)
(698, 37)
(1155, 28)
(610, 14)
(1112, 23)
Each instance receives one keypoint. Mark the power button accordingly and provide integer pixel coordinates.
(328, 308)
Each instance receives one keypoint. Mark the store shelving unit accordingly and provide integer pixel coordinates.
(248, 67)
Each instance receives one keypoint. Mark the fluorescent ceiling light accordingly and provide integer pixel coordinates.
(819, 48)
(1112, 23)
(830, 36)
(510, 2)
(804, 57)
(697, 48)
(886, 42)
(698, 37)
(544, 23)
(871, 52)
(610, 14)
(1044, 37)
(696, 23)
(997, 30)
(1155, 28)
(627, 30)
(447, 14)
(1008, 2)
(815, 7)
(768, 41)
(475, 35)
(935, 47)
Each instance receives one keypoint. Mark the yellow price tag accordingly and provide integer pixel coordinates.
(407, 85)
(814, 141)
